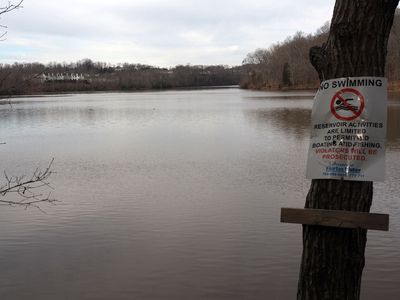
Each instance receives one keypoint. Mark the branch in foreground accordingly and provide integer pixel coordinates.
(10, 7)
(6, 9)
(23, 191)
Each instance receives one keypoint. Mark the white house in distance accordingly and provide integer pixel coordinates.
(61, 77)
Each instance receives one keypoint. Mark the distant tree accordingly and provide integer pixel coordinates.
(324, 29)
(261, 65)
(286, 75)
(393, 58)
(86, 65)
(257, 57)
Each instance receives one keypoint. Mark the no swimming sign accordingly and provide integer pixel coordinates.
(349, 130)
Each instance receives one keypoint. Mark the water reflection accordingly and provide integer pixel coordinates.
(291, 121)
(280, 96)
(295, 121)
(39, 115)
(172, 195)
(55, 115)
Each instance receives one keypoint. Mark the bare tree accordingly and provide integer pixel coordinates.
(6, 8)
(22, 190)
(333, 258)
(27, 191)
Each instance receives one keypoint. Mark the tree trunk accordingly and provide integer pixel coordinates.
(333, 258)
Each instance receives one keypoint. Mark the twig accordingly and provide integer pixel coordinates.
(25, 188)
(6, 9)
(10, 7)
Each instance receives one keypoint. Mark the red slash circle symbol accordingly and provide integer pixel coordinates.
(347, 104)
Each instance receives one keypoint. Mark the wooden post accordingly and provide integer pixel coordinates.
(333, 258)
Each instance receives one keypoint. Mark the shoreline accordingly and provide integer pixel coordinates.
(393, 88)
(61, 93)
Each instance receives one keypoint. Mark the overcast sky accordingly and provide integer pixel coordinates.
(156, 32)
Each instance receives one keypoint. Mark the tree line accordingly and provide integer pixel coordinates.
(286, 65)
(30, 78)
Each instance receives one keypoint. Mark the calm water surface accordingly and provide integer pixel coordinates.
(172, 195)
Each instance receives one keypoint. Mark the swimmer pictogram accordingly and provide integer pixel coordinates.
(347, 104)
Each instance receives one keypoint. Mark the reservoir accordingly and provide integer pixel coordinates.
(172, 195)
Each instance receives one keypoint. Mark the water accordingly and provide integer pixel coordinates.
(171, 195)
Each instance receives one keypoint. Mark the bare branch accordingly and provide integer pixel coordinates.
(6, 9)
(3, 35)
(10, 7)
(26, 191)
(22, 191)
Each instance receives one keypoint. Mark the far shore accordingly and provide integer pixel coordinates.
(4, 97)
(393, 88)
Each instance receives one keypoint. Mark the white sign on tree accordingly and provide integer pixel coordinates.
(349, 130)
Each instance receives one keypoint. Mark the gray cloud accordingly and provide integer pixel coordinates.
(159, 32)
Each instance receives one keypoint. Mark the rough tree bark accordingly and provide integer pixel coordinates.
(333, 258)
